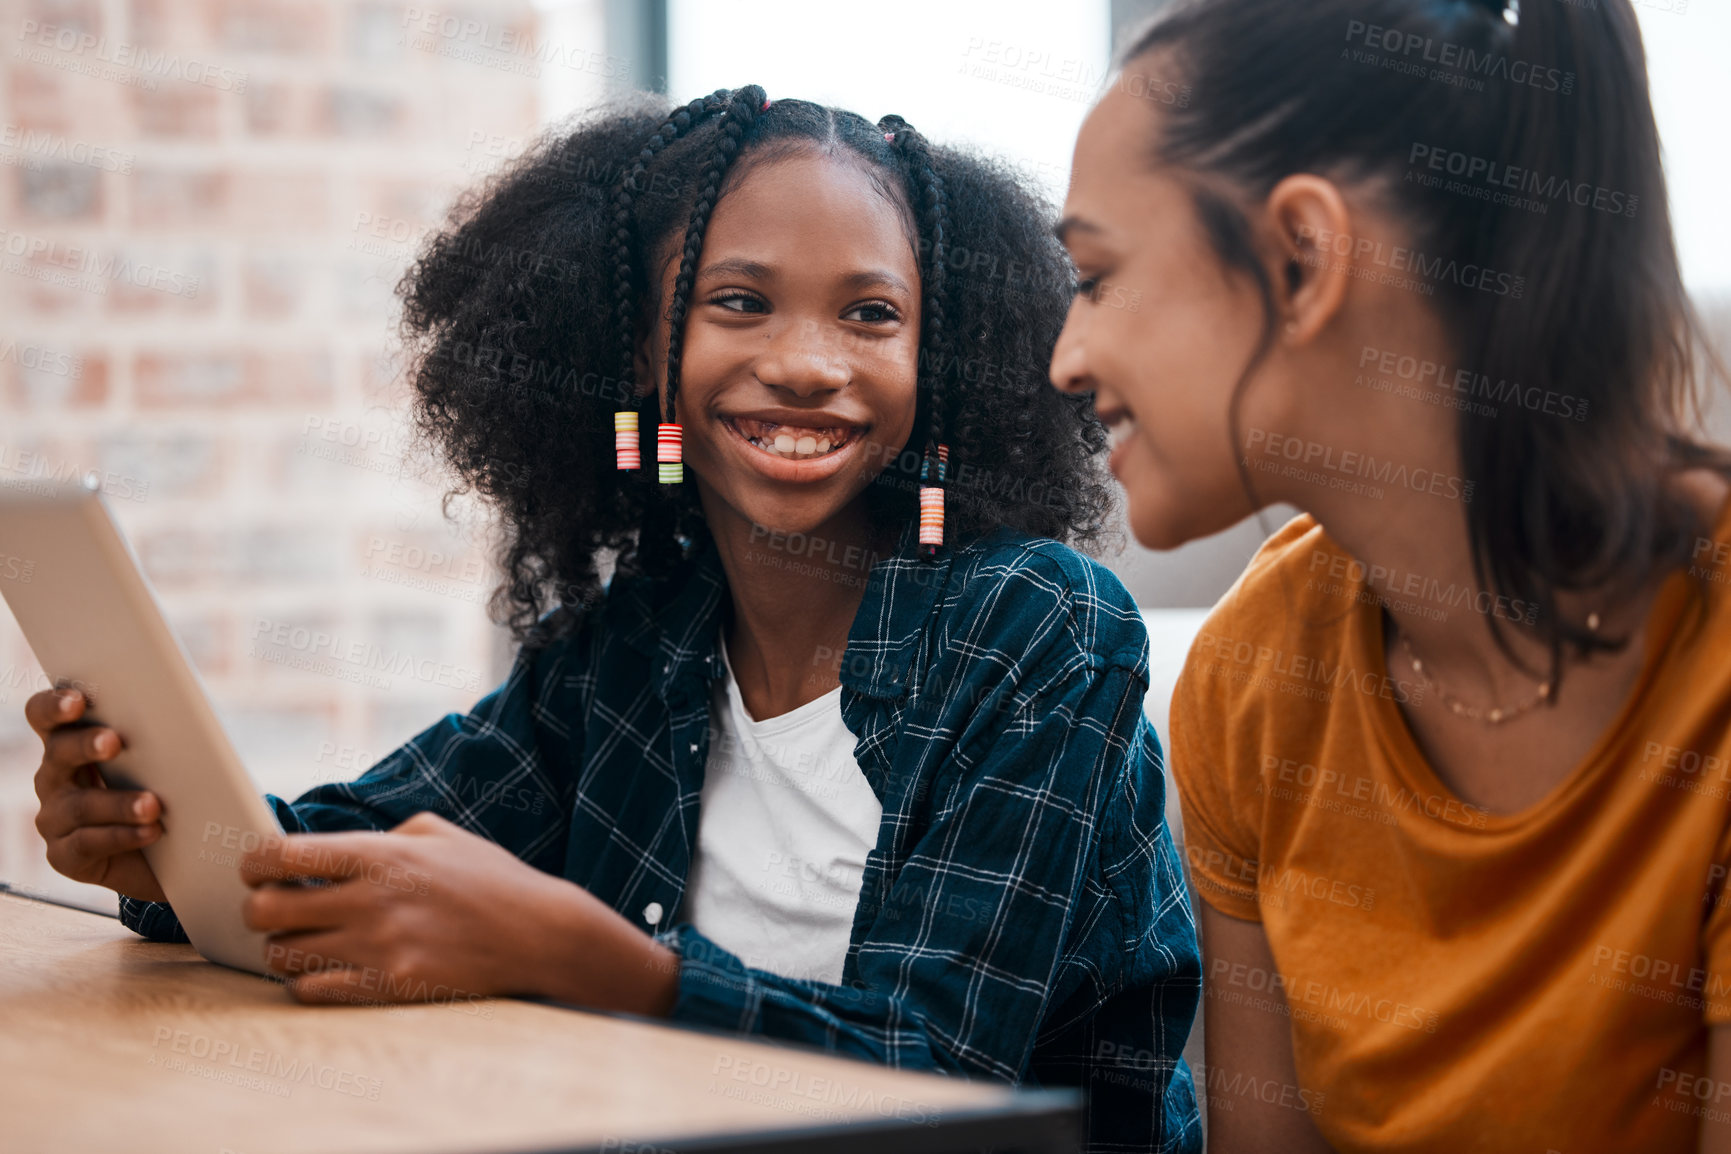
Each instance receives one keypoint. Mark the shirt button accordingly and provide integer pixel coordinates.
(694, 747)
(652, 913)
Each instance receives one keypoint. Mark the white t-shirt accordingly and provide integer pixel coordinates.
(785, 822)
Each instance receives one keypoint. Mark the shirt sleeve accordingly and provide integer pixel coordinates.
(962, 959)
(1220, 840)
(500, 771)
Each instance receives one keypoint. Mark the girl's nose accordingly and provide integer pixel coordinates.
(803, 360)
(1069, 359)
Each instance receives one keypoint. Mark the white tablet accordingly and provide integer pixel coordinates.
(89, 614)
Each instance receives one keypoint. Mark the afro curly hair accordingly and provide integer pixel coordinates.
(522, 314)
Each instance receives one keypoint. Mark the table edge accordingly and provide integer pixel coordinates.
(1046, 1120)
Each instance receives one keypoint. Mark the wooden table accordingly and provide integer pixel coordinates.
(112, 1043)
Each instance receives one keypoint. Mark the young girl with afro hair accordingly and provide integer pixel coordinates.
(817, 729)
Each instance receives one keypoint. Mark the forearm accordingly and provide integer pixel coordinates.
(717, 989)
(584, 953)
(1252, 1045)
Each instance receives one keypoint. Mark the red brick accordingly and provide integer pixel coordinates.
(52, 191)
(28, 457)
(166, 380)
(56, 378)
(59, 287)
(375, 31)
(418, 200)
(173, 558)
(438, 550)
(279, 27)
(179, 197)
(273, 284)
(183, 26)
(174, 464)
(352, 111)
(293, 554)
(288, 201)
(158, 279)
(293, 377)
(177, 109)
(291, 468)
(152, 24)
(80, 16)
(469, 107)
(276, 108)
(36, 97)
(482, 39)
(259, 554)
(265, 232)
(223, 380)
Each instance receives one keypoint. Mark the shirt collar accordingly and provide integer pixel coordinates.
(676, 622)
(680, 630)
(894, 613)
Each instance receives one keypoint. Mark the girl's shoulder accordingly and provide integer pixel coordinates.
(1301, 622)
(628, 609)
(1297, 575)
(1040, 600)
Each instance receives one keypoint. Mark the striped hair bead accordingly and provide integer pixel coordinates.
(669, 454)
(931, 516)
(932, 503)
(628, 452)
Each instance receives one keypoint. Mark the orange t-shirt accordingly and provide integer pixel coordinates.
(1458, 980)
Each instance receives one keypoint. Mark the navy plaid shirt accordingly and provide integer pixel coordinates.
(1023, 916)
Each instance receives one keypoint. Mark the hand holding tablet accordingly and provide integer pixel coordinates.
(139, 732)
(95, 833)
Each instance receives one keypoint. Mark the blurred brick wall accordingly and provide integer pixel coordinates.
(204, 207)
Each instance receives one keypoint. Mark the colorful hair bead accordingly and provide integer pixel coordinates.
(625, 446)
(932, 503)
(669, 454)
(931, 516)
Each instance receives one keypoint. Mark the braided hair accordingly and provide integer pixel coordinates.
(523, 318)
(661, 521)
(931, 209)
(737, 115)
(624, 311)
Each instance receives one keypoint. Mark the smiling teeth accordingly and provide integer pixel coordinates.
(792, 443)
(794, 448)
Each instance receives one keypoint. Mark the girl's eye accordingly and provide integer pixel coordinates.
(1088, 287)
(739, 303)
(874, 313)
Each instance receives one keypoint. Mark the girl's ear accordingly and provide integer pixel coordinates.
(641, 369)
(1314, 254)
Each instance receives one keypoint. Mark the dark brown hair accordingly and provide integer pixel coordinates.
(1587, 300)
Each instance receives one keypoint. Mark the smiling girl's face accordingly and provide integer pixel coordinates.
(802, 343)
(1163, 375)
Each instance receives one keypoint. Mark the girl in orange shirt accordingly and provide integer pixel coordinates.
(1455, 751)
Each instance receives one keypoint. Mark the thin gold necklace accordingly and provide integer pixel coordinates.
(1496, 714)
